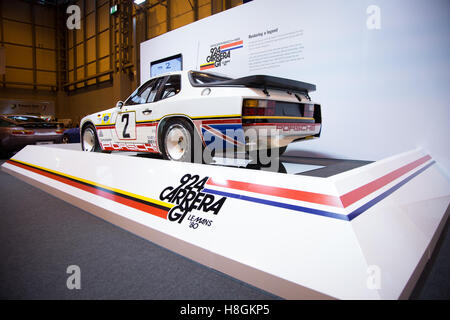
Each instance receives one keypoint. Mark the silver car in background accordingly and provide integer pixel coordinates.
(17, 131)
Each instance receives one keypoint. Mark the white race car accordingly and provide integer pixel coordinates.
(168, 113)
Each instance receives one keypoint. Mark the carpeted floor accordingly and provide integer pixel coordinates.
(40, 236)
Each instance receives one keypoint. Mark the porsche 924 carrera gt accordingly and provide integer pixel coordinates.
(168, 113)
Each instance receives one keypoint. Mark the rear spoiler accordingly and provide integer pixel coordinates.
(46, 125)
(263, 82)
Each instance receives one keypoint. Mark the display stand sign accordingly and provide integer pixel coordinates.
(365, 233)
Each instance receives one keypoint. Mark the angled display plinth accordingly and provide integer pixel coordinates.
(365, 233)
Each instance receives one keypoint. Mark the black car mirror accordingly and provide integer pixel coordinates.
(119, 104)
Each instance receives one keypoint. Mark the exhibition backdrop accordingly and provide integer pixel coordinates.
(382, 67)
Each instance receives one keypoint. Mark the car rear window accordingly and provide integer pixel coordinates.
(26, 119)
(206, 77)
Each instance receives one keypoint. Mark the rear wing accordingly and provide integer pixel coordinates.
(41, 125)
(262, 82)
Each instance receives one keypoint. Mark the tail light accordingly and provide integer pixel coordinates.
(22, 132)
(254, 107)
(59, 131)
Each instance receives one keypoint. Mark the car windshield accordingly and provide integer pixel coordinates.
(26, 119)
(207, 77)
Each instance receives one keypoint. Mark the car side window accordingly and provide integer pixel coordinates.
(171, 87)
(153, 96)
(140, 95)
(144, 94)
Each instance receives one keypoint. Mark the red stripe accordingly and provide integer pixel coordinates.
(359, 193)
(341, 202)
(280, 192)
(129, 149)
(231, 44)
(207, 67)
(146, 124)
(281, 123)
(105, 127)
(114, 197)
(221, 121)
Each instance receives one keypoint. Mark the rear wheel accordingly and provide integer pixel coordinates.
(281, 150)
(274, 152)
(89, 140)
(178, 141)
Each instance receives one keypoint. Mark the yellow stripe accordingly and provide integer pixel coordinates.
(199, 117)
(179, 114)
(276, 117)
(105, 125)
(219, 116)
(206, 64)
(161, 203)
(146, 121)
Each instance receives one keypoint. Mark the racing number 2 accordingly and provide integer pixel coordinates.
(126, 126)
(126, 118)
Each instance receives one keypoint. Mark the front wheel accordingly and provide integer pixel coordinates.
(177, 141)
(65, 139)
(89, 140)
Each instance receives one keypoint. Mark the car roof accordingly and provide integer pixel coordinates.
(186, 71)
(21, 115)
(30, 116)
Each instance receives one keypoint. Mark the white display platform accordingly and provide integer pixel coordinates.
(361, 234)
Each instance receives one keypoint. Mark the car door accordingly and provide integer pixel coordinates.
(127, 117)
(147, 115)
(165, 88)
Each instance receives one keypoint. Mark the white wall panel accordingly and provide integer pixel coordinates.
(383, 91)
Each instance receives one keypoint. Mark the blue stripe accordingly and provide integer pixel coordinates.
(231, 49)
(225, 144)
(222, 128)
(279, 204)
(328, 214)
(374, 201)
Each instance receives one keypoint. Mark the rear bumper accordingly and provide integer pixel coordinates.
(276, 135)
(17, 142)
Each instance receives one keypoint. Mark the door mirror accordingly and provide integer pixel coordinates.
(119, 104)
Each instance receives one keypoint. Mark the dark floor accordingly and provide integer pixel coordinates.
(40, 236)
(330, 168)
